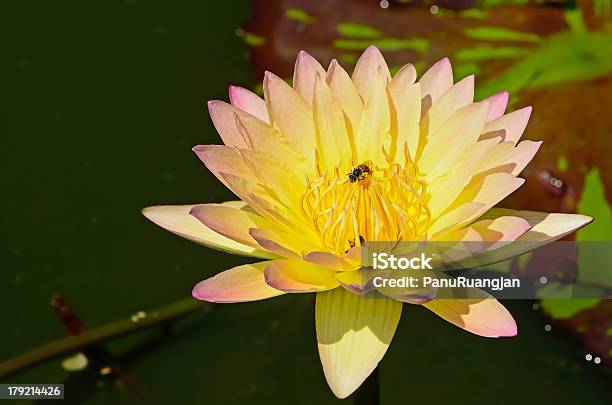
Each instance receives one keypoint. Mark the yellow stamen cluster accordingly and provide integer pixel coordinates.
(387, 205)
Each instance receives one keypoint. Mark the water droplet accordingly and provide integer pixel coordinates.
(554, 186)
(543, 280)
(434, 9)
(597, 360)
(106, 370)
(384, 4)
(535, 307)
(547, 328)
(588, 357)
(75, 363)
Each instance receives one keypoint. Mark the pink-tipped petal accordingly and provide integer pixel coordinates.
(224, 119)
(498, 104)
(306, 70)
(435, 82)
(549, 226)
(250, 102)
(545, 228)
(484, 317)
(176, 219)
(239, 284)
(370, 61)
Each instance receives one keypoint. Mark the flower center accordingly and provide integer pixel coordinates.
(369, 203)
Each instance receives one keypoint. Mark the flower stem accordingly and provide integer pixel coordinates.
(74, 344)
(369, 392)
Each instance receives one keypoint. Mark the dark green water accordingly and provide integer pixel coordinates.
(102, 103)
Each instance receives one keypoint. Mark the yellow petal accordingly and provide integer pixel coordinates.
(356, 282)
(353, 334)
(331, 261)
(405, 76)
(250, 102)
(272, 242)
(456, 97)
(262, 137)
(345, 92)
(458, 248)
(239, 284)
(501, 229)
(275, 176)
(489, 189)
(510, 126)
(290, 113)
(444, 145)
(230, 221)
(406, 103)
(374, 130)
(222, 159)
(176, 219)
(369, 63)
(267, 206)
(306, 70)
(288, 219)
(444, 190)
(506, 157)
(333, 141)
(455, 219)
(298, 276)
(484, 317)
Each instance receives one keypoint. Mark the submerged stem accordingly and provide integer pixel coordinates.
(74, 344)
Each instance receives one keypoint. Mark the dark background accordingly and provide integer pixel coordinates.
(102, 103)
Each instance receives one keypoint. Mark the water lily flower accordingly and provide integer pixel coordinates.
(335, 160)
